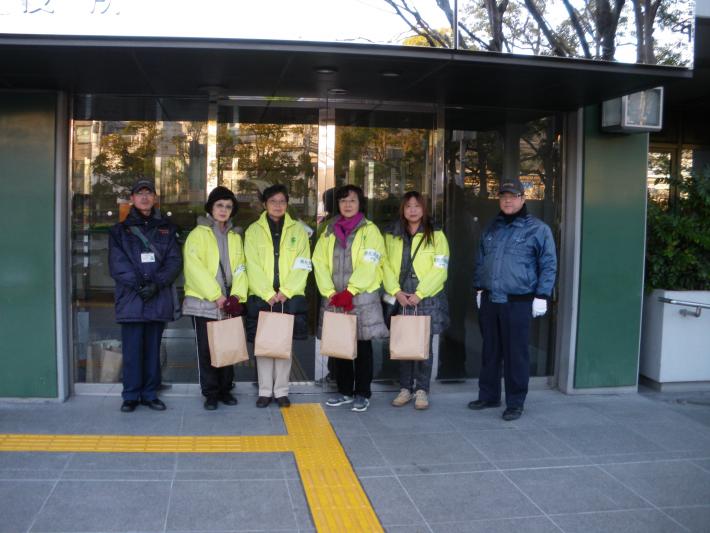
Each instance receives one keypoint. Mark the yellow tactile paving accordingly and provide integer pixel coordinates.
(335, 497)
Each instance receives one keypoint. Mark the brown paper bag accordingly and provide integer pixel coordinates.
(409, 337)
(105, 362)
(227, 341)
(274, 335)
(339, 336)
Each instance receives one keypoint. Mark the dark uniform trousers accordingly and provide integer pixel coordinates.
(214, 381)
(141, 359)
(505, 328)
(355, 377)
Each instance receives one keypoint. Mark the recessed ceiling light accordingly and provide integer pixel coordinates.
(326, 70)
(389, 74)
(337, 90)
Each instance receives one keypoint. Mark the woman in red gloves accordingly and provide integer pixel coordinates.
(347, 261)
(215, 285)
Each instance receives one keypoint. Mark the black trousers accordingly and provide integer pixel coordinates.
(213, 381)
(355, 377)
(141, 359)
(506, 330)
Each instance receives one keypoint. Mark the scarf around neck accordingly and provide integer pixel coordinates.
(343, 227)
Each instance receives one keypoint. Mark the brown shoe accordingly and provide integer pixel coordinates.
(403, 398)
(263, 401)
(421, 400)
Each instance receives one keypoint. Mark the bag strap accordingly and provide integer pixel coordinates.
(406, 273)
(138, 233)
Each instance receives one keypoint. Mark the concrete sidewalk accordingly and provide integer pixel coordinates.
(632, 463)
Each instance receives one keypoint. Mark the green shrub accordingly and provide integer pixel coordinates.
(678, 236)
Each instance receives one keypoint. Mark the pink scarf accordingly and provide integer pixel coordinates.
(344, 227)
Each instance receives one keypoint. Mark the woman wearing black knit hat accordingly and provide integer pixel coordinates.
(215, 284)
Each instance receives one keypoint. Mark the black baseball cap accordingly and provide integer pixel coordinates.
(143, 184)
(512, 185)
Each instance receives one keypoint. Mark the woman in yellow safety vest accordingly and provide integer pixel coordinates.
(415, 272)
(348, 267)
(278, 257)
(215, 284)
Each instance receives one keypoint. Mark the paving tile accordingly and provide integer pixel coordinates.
(631, 409)
(30, 475)
(672, 483)
(422, 528)
(143, 421)
(632, 521)
(455, 468)
(34, 460)
(604, 440)
(390, 420)
(118, 475)
(239, 420)
(466, 497)
(230, 474)
(696, 519)
(229, 461)
(645, 457)
(362, 451)
(515, 444)
(105, 506)
(20, 501)
(426, 449)
(545, 462)
(674, 436)
(703, 463)
(373, 471)
(533, 524)
(390, 501)
(567, 415)
(299, 505)
(122, 461)
(574, 490)
(222, 505)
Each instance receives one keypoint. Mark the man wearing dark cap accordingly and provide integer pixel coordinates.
(144, 261)
(515, 275)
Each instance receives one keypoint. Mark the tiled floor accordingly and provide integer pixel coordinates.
(631, 463)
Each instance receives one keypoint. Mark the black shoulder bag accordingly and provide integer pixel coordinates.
(391, 309)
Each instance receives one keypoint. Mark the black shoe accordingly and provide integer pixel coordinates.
(263, 401)
(477, 405)
(165, 386)
(512, 413)
(227, 399)
(211, 403)
(283, 401)
(155, 404)
(128, 406)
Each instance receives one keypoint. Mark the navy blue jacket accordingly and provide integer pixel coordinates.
(129, 272)
(516, 259)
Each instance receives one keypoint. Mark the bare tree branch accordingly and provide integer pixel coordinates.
(574, 18)
(559, 48)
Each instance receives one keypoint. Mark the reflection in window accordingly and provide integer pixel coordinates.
(386, 163)
(659, 171)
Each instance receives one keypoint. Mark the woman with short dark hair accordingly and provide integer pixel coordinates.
(278, 258)
(348, 261)
(215, 284)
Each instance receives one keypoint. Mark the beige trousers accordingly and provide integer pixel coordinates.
(273, 376)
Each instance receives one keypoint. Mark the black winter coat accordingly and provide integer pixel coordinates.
(130, 273)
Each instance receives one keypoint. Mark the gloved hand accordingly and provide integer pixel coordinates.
(233, 307)
(342, 299)
(147, 290)
(478, 299)
(539, 307)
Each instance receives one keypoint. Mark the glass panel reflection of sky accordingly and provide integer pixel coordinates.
(572, 28)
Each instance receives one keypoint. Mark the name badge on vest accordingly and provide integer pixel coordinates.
(147, 257)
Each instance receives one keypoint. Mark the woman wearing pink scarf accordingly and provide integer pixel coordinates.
(347, 261)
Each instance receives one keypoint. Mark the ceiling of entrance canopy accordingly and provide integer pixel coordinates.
(288, 71)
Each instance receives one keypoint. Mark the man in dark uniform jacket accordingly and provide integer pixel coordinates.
(144, 261)
(515, 275)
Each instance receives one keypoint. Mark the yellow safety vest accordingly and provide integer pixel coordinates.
(430, 265)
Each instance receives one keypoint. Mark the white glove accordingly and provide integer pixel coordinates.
(539, 307)
(478, 298)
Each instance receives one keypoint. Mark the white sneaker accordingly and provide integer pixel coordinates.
(360, 405)
(403, 398)
(422, 401)
(341, 399)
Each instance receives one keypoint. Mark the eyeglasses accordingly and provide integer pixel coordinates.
(228, 207)
(276, 202)
(509, 197)
(144, 193)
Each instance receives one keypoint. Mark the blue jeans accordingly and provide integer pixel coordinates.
(416, 371)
